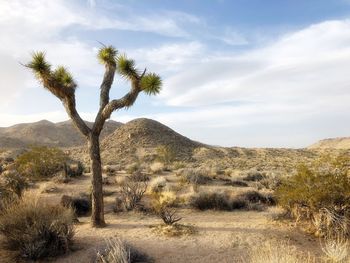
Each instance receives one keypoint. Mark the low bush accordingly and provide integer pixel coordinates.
(195, 176)
(165, 154)
(157, 167)
(74, 169)
(163, 204)
(237, 183)
(40, 162)
(157, 184)
(257, 197)
(35, 229)
(131, 194)
(80, 205)
(132, 168)
(138, 176)
(117, 251)
(211, 200)
(253, 175)
(14, 182)
(323, 184)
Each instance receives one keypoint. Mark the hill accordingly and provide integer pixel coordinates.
(62, 134)
(332, 143)
(123, 143)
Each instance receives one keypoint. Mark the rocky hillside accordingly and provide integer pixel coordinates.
(62, 134)
(332, 143)
(147, 135)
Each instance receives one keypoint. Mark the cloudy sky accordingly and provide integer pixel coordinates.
(252, 73)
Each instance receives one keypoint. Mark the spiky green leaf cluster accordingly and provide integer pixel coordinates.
(39, 64)
(126, 67)
(151, 83)
(62, 76)
(107, 55)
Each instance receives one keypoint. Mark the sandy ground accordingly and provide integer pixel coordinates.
(221, 236)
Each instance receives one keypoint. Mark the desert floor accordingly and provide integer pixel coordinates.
(221, 236)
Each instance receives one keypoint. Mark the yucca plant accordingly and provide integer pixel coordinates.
(61, 83)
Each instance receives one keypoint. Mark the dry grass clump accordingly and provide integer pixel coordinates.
(174, 230)
(157, 185)
(48, 188)
(117, 251)
(138, 176)
(157, 167)
(132, 168)
(35, 229)
(253, 175)
(196, 176)
(278, 252)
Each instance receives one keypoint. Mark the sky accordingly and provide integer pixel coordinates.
(255, 73)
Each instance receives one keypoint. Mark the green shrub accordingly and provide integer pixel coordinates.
(322, 184)
(35, 229)
(14, 182)
(165, 154)
(40, 162)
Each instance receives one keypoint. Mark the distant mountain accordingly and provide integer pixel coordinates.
(332, 143)
(61, 134)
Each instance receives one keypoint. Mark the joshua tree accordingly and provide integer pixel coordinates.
(61, 84)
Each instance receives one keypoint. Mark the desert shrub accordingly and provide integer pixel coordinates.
(157, 185)
(211, 200)
(40, 162)
(195, 176)
(74, 169)
(48, 188)
(237, 183)
(109, 170)
(138, 176)
(61, 178)
(132, 168)
(165, 154)
(35, 229)
(157, 167)
(257, 197)
(254, 175)
(163, 204)
(117, 251)
(250, 200)
(80, 205)
(14, 182)
(271, 181)
(323, 184)
(276, 252)
(131, 194)
(178, 165)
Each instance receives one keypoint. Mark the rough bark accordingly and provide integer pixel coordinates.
(97, 215)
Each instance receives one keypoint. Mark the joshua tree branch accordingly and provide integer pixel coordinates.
(69, 104)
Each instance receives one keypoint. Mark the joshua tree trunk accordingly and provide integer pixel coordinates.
(97, 215)
(61, 84)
